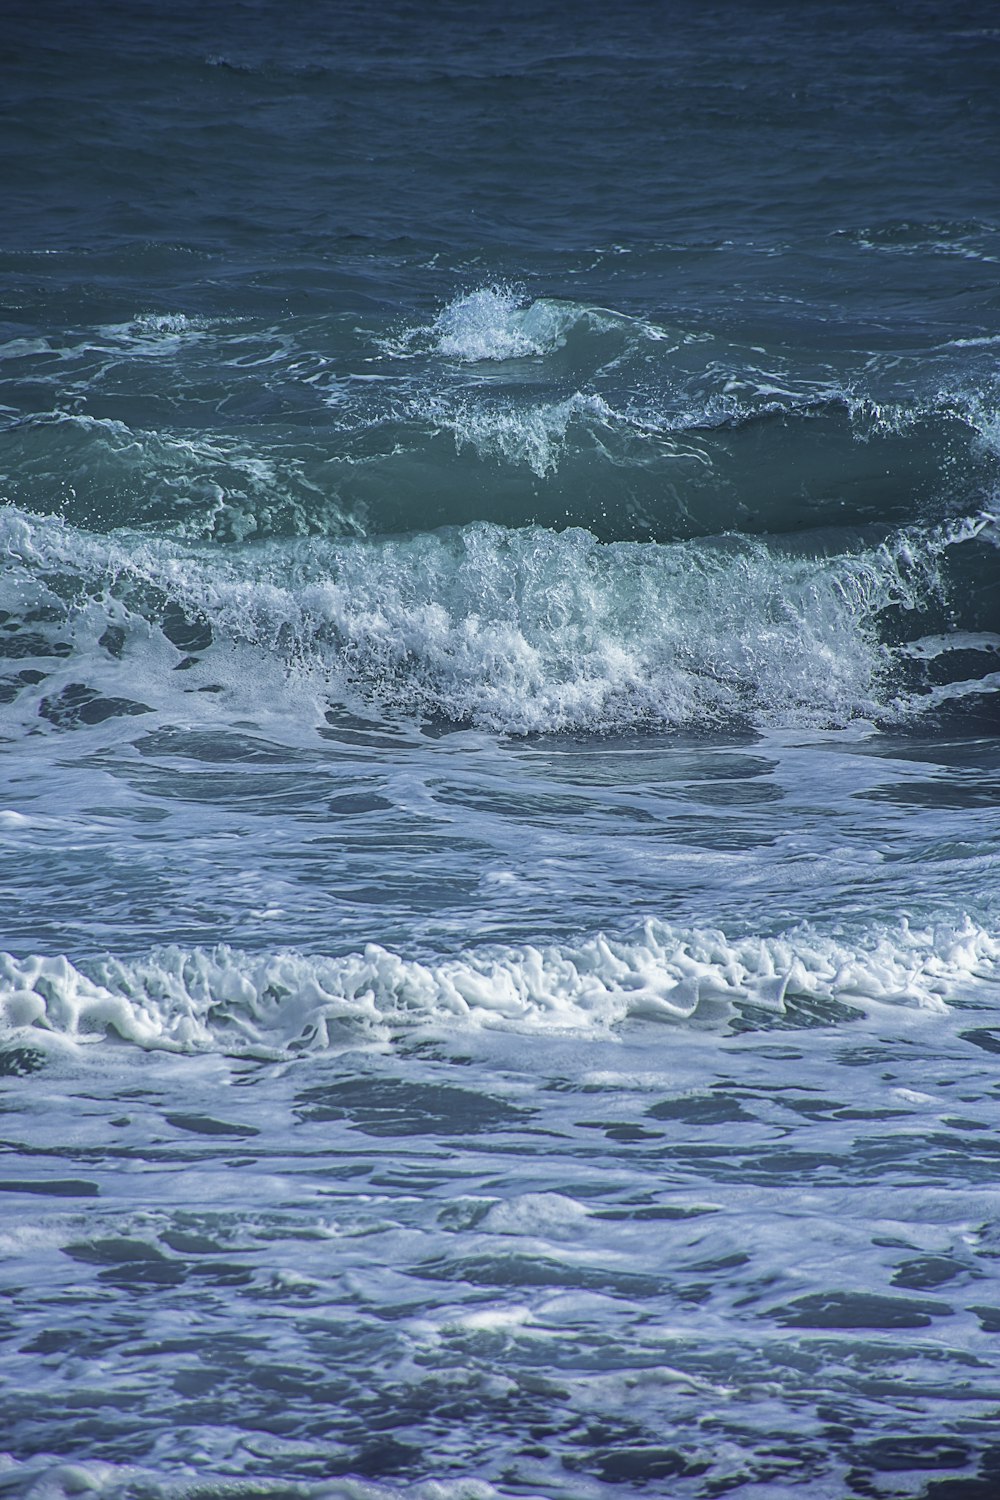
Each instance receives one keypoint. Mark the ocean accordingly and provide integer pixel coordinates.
(500, 750)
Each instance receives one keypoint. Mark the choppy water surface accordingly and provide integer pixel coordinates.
(499, 836)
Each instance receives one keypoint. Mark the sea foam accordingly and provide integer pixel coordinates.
(285, 1003)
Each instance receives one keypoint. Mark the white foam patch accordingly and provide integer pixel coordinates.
(976, 343)
(24, 349)
(47, 1479)
(283, 1003)
(488, 1320)
(550, 1216)
(929, 647)
(911, 704)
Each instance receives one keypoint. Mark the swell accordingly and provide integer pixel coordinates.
(577, 461)
(497, 408)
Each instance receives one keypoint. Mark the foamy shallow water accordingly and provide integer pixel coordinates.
(653, 1206)
(562, 1264)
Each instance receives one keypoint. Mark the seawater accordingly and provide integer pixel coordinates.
(499, 836)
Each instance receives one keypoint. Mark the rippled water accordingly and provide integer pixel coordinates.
(499, 845)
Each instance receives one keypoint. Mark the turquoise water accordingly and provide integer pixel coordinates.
(499, 651)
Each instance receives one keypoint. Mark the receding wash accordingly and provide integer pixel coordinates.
(500, 750)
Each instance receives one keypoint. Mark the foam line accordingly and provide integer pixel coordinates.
(283, 1003)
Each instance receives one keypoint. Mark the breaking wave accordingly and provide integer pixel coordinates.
(519, 631)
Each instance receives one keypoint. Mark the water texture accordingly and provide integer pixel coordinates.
(500, 741)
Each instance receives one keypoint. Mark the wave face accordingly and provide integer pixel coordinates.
(499, 751)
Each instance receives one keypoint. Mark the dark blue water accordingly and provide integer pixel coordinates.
(499, 839)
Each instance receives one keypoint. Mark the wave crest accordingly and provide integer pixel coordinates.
(498, 322)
